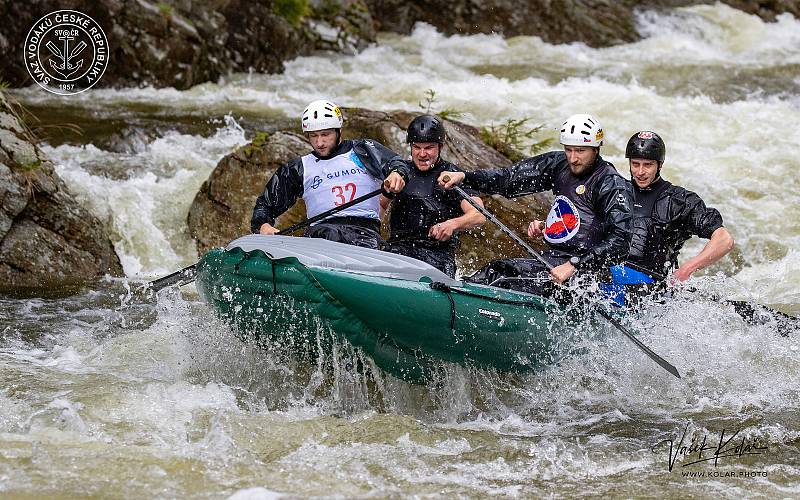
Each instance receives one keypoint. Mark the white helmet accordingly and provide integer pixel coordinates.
(582, 130)
(321, 115)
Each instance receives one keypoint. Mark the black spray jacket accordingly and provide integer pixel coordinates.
(664, 217)
(591, 216)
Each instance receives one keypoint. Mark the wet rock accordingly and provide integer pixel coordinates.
(597, 23)
(19, 150)
(47, 239)
(340, 26)
(181, 43)
(222, 209)
(128, 140)
(594, 22)
(767, 10)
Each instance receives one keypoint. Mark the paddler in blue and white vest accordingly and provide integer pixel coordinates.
(665, 216)
(588, 226)
(334, 173)
(425, 220)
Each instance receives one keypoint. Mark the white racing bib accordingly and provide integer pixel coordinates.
(330, 183)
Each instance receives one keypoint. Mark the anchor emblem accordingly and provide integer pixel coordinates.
(66, 69)
(66, 52)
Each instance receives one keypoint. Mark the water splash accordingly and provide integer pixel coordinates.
(147, 203)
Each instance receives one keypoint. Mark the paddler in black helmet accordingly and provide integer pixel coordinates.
(665, 216)
(425, 220)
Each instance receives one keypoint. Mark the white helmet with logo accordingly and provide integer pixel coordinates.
(321, 115)
(582, 130)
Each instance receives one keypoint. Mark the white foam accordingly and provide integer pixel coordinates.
(147, 211)
(257, 493)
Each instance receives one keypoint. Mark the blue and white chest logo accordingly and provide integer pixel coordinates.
(316, 181)
(563, 221)
(355, 159)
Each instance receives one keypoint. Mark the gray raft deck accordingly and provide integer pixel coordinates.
(324, 254)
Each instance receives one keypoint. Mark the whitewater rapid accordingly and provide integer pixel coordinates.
(166, 400)
(714, 82)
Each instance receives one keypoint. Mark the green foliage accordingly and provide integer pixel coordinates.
(450, 114)
(256, 144)
(165, 9)
(328, 9)
(260, 138)
(512, 137)
(430, 96)
(30, 167)
(445, 114)
(292, 10)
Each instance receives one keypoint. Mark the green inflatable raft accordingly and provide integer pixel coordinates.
(404, 314)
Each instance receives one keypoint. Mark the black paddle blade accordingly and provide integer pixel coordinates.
(182, 277)
(655, 357)
(758, 314)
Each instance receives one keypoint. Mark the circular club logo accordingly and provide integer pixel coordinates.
(563, 221)
(66, 52)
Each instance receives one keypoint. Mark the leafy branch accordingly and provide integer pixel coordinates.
(292, 10)
(513, 137)
(445, 114)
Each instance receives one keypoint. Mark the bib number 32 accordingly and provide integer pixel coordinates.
(342, 193)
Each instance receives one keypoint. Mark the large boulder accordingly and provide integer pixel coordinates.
(222, 209)
(767, 10)
(48, 241)
(181, 43)
(597, 23)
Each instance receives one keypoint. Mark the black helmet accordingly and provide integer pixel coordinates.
(425, 128)
(647, 145)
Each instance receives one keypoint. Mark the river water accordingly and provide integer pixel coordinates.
(104, 394)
